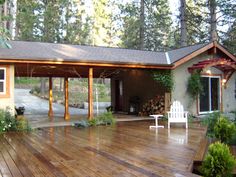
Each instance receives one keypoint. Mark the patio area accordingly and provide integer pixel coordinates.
(126, 149)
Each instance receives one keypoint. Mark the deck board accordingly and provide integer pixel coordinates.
(126, 149)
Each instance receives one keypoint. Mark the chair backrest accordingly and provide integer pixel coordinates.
(177, 110)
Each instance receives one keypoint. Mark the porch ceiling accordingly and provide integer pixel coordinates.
(44, 70)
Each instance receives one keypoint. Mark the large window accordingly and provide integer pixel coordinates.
(210, 98)
(2, 80)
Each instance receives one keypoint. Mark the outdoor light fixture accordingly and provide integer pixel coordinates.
(208, 71)
(223, 82)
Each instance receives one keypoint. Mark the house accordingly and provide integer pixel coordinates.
(129, 71)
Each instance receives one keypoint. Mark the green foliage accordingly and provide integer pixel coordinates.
(164, 77)
(35, 90)
(9, 123)
(218, 161)
(93, 122)
(106, 118)
(82, 124)
(2, 1)
(194, 87)
(224, 129)
(157, 25)
(210, 122)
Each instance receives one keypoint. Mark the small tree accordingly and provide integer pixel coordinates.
(224, 129)
(218, 161)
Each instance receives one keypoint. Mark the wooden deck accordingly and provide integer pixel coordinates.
(127, 149)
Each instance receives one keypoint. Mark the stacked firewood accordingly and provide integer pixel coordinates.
(153, 106)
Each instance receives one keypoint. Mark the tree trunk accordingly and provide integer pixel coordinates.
(183, 32)
(212, 8)
(141, 32)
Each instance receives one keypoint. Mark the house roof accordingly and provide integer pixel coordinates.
(65, 52)
(39, 51)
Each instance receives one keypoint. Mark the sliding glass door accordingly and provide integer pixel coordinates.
(210, 98)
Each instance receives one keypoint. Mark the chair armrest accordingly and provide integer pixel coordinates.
(186, 114)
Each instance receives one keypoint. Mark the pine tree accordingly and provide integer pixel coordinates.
(130, 29)
(156, 28)
(101, 22)
(158, 25)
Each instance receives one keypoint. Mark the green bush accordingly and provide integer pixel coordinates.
(93, 122)
(194, 87)
(218, 161)
(210, 122)
(103, 119)
(81, 124)
(224, 129)
(106, 118)
(35, 90)
(8, 122)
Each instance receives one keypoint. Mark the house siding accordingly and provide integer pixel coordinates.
(229, 98)
(181, 75)
(8, 101)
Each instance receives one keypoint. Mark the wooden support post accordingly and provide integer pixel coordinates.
(50, 112)
(167, 101)
(90, 94)
(66, 92)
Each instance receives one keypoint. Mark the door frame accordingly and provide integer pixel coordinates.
(119, 89)
(219, 76)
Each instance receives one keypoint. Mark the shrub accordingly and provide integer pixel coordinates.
(210, 122)
(103, 119)
(106, 118)
(218, 161)
(35, 90)
(81, 124)
(194, 87)
(224, 129)
(93, 122)
(8, 122)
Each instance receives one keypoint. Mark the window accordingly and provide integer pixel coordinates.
(210, 97)
(2, 80)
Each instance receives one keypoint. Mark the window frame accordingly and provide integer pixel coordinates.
(4, 80)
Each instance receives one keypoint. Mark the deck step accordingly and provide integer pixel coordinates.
(199, 156)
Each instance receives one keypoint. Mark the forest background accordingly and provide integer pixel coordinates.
(154, 25)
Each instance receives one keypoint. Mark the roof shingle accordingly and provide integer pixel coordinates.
(79, 53)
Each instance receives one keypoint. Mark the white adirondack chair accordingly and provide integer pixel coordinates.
(177, 114)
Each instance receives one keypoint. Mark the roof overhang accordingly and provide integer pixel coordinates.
(60, 68)
(213, 45)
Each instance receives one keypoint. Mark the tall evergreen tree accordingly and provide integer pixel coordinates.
(158, 25)
(130, 29)
(183, 27)
(156, 28)
(101, 22)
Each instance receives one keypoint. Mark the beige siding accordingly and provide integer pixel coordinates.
(181, 76)
(229, 100)
(9, 102)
